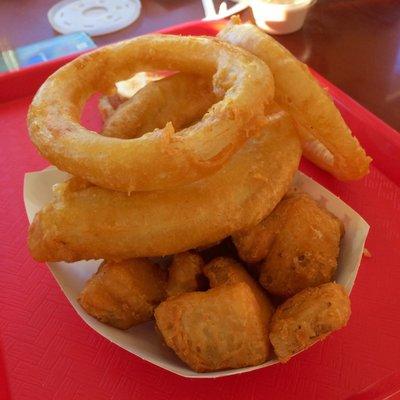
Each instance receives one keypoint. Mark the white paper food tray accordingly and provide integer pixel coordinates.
(142, 340)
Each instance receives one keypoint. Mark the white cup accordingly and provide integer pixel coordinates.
(280, 18)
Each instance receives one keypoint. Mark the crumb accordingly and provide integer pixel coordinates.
(366, 253)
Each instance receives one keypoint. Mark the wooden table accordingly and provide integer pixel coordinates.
(353, 43)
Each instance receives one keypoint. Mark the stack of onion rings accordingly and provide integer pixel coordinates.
(85, 221)
(141, 186)
(161, 159)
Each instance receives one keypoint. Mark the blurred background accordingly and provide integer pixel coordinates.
(355, 44)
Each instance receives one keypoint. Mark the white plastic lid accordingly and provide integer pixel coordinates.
(95, 17)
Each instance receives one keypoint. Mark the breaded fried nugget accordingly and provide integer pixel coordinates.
(124, 294)
(226, 271)
(214, 330)
(307, 317)
(300, 242)
(254, 243)
(185, 273)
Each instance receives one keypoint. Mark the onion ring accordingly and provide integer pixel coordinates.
(326, 139)
(85, 221)
(161, 159)
(161, 102)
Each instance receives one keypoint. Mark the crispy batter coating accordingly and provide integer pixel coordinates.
(151, 107)
(326, 139)
(185, 273)
(305, 250)
(108, 104)
(214, 330)
(254, 243)
(125, 90)
(124, 294)
(307, 317)
(227, 271)
(164, 158)
(87, 222)
(300, 243)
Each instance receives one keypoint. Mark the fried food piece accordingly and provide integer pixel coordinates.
(162, 159)
(305, 249)
(108, 104)
(300, 242)
(307, 317)
(214, 330)
(185, 274)
(124, 294)
(125, 90)
(254, 243)
(326, 139)
(152, 107)
(226, 271)
(88, 222)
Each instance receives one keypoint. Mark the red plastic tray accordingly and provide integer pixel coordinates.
(47, 352)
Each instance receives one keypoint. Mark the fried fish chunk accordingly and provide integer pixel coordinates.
(300, 242)
(307, 317)
(254, 243)
(214, 330)
(123, 294)
(185, 274)
(227, 271)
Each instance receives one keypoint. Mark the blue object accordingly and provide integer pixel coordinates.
(50, 49)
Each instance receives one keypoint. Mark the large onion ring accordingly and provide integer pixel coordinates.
(85, 221)
(181, 99)
(326, 139)
(164, 158)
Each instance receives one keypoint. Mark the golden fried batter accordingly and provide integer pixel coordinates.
(214, 330)
(185, 273)
(108, 105)
(96, 223)
(254, 243)
(307, 317)
(151, 107)
(124, 294)
(300, 243)
(226, 271)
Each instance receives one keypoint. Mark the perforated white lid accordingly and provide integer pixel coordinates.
(95, 17)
